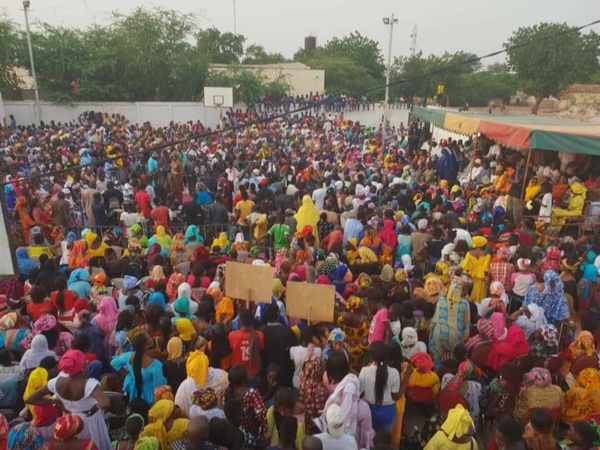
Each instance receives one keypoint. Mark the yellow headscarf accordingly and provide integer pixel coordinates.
(158, 415)
(197, 367)
(458, 423)
(90, 238)
(221, 241)
(367, 255)
(578, 188)
(186, 330)
(533, 188)
(175, 347)
(479, 241)
(37, 379)
(160, 232)
(308, 215)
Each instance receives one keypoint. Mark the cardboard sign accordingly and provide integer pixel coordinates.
(248, 282)
(313, 302)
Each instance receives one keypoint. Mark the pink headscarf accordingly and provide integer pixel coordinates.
(106, 318)
(499, 324)
(322, 279)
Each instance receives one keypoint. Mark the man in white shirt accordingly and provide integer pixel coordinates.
(335, 438)
(318, 197)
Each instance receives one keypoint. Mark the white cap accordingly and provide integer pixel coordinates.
(335, 422)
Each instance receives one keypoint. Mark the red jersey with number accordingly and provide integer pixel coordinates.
(240, 349)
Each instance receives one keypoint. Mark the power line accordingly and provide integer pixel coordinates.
(312, 105)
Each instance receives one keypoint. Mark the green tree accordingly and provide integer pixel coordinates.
(480, 87)
(550, 65)
(11, 45)
(247, 84)
(256, 54)
(363, 51)
(220, 48)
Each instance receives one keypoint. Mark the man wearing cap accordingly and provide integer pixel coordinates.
(335, 437)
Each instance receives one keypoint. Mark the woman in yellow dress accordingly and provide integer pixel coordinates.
(583, 398)
(308, 215)
(574, 205)
(477, 266)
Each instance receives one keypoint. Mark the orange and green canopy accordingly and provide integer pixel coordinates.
(539, 132)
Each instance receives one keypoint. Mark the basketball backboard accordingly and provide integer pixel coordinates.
(218, 97)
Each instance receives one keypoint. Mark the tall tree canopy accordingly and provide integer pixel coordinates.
(551, 65)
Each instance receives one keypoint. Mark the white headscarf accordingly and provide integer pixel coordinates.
(185, 291)
(407, 262)
(38, 351)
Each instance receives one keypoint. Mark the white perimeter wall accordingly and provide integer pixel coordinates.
(160, 114)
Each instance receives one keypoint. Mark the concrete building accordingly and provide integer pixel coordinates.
(300, 77)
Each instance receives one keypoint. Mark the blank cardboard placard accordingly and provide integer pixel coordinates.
(248, 282)
(313, 302)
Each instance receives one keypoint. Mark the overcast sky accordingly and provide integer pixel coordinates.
(477, 26)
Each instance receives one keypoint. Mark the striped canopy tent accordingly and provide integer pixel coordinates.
(519, 132)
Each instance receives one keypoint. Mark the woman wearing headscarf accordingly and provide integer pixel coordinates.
(199, 376)
(549, 295)
(457, 432)
(451, 322)
(431, 291)
(106, 319)
(544, 342)
(41, 414)
(552, 261)
(530, 318)
(175, 280)
(79, 395)
(25, 264)
(78, 282)
(192, 235)
(179, 253)
(497, 302)
(501, 270)
(539, 432)
(354, 323)
(58, 341)
(588, 284)
(583, 345)
(66, 431)
(583, 398)
(165, 424)
(160, 237)
(157, 275)
(537, 391)
(477, 266)
(423, 380)
(153, 251)
(95, 245)
(313, 393)
(574, 206)
(508, 342)
(99, 288)
(174, 366)
(485, 335)
(410, 343)
(222, 242)
(130, 288)
(38, 351)
(461, 382)
(78, 257)
(308, 215)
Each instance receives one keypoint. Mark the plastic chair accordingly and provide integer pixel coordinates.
(183, 268)
(143, 284)
(584, 362)
(448, 399)
(35, 259)
(480, 354)
(198, 292)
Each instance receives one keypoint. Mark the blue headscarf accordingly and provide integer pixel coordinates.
(590, 271)
(192, 231)
(78, 275)
(25, 264)
(71, 238)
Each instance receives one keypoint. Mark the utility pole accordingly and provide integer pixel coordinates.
(234, 19)
(387, 21)
(38, 108)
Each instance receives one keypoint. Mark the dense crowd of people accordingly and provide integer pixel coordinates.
(466, 288)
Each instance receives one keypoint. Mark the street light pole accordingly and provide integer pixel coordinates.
(38, 109)
(388, 21)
